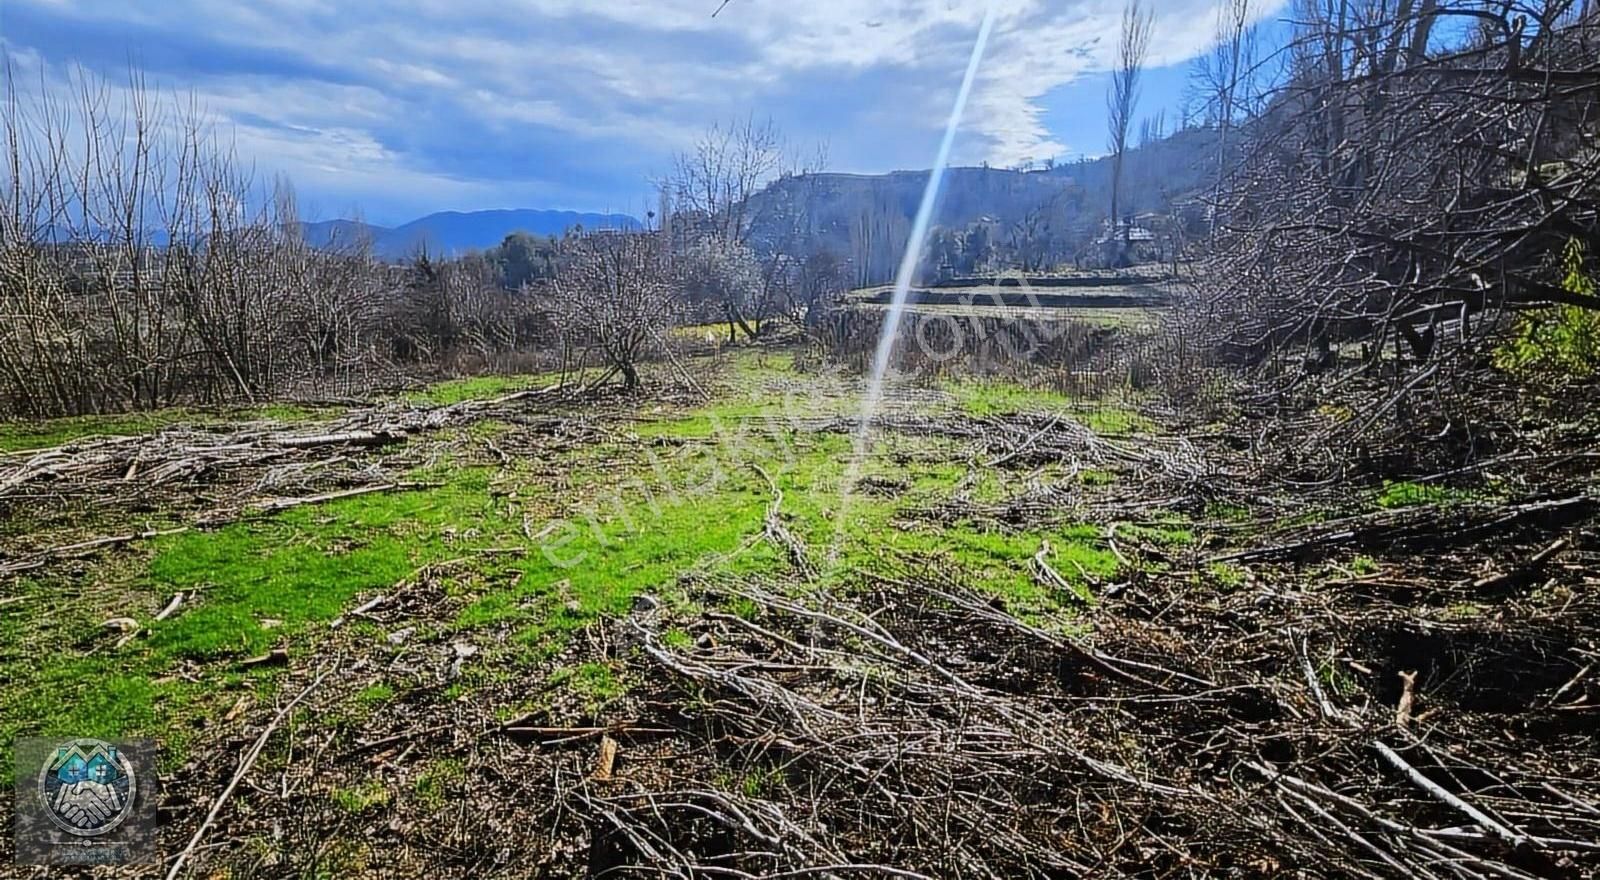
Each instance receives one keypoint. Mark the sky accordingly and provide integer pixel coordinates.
(391, 110)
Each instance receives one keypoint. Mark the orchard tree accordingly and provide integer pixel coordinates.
(613, 294)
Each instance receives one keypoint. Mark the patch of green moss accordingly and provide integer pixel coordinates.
(594, 684)
(1229, 577)
(361, 797)
(1407, 494)
(441, 779)
(375, 695)
(1093, 477)
(1220, 511)
(1167, 533)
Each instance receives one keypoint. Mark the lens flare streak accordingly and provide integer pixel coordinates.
(915, 244)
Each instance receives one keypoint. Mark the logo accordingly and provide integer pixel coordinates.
(84, 801)
(87, 787)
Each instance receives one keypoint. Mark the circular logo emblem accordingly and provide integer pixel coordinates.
(87, 787)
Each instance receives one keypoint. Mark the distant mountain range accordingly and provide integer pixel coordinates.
(866, 218)
(452, 233)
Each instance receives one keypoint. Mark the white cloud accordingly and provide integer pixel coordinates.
(317, 86)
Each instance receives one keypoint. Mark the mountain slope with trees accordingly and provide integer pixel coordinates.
(1061, 208)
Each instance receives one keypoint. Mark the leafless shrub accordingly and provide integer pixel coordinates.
(1123, 98)
(722, 277)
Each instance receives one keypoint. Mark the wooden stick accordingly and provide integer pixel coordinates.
(608, 758)
(244, 767)
(163, 614)
(359, 612)
(278, 504)
(1527, 569)
(1408, 695)
(522, 395)
(1562, 691)
(586, 731)
(83, 548)
(1512, 837)
(347, 438)
(1323, 703)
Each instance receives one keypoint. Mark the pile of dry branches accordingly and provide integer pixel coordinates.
(916, 729)
(199, 477)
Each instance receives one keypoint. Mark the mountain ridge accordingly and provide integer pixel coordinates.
(452, 233)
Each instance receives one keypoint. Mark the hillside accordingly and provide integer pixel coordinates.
(868, 217)
(865, 217)
(455, 232)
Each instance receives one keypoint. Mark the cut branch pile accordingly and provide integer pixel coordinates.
(212, 477)
(916, 729)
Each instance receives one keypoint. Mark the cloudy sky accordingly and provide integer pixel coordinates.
(398, 108)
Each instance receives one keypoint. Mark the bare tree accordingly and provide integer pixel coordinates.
(1123, 98)
(140, 267)
(714, 186)
(714, 181)
(1411, 189)
(1224, 77)
(725, 276)
(613, 294)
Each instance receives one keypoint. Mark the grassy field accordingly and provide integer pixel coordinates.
(752, 598)
(536, 547)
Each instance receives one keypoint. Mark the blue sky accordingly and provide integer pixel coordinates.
(391, 110)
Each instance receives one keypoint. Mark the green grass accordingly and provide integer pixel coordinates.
(989, 398)
(1221, 511)
(1228, 577)
(719, 420)
(1406, 494)
(252, 586)
(307, 564)
(48, 433)
(1093, 477)
(442, 777)
(677, 639)
(375, 695)
(628, 518)
(994, 398)
(361, 797)
(594, 684)
(1170, 532)
(452, 391)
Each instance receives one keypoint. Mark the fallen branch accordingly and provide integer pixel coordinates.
(346, 438)
(778, 532)
(1511, 837)
(163, 614)
(277, 504)
(1523, 572)
(360, 611)
(244, 767)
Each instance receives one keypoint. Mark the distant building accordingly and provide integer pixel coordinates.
(1128, 231)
